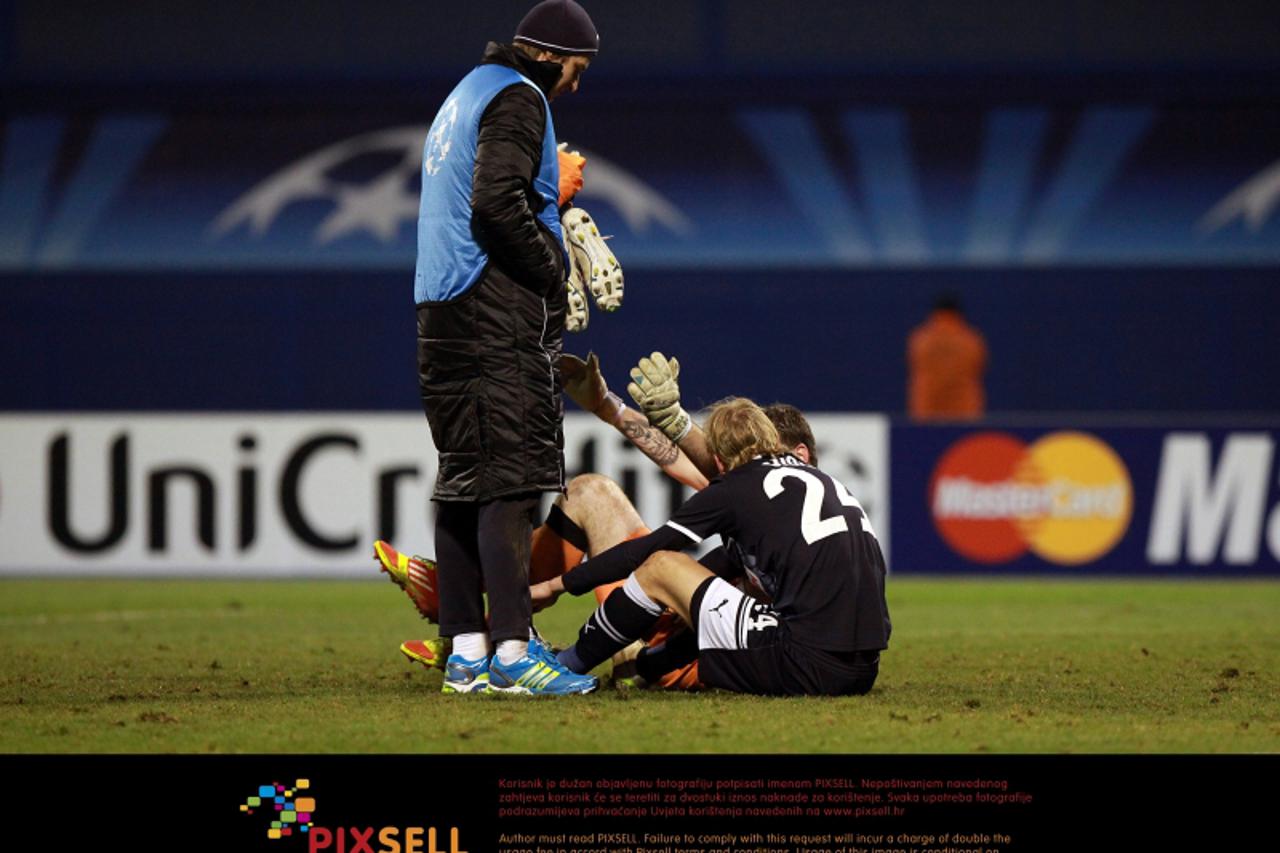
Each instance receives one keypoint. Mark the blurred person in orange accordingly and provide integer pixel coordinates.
(946, 360)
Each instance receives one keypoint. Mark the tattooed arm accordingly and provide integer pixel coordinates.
(586, 386)
(694, 445)
(650, 441)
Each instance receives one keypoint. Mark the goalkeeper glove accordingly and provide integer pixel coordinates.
(656, 391)
(571, 163)
(585, 385)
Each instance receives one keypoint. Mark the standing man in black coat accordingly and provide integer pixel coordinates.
(490, 294)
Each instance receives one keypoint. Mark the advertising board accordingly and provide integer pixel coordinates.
(259, 494)
(1112, 500)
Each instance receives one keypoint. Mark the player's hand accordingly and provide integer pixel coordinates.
(582, 380)
(571, 163)
(655, 388)
(585, 385)
(544, 594)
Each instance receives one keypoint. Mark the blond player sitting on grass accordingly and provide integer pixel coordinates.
(595, 514)
(799, 535)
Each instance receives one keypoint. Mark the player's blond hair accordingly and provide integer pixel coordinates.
(739, 430)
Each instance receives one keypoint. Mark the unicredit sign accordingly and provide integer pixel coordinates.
(161, 482)
(259, 494)
(293, 493)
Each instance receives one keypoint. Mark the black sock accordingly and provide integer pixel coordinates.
(678, 650)
(616, 624)
(567, 529)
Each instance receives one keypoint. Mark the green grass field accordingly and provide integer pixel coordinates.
(974, 666)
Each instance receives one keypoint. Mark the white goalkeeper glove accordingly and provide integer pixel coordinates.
(585, 385)
(656, 391)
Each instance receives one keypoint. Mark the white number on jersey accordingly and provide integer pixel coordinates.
(847, 498)
(812, 525)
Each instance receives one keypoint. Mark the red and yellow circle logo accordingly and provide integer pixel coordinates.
(1066, 498)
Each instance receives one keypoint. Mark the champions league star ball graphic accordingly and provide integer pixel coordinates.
(282, 809)
(380, 206)
(376, 207)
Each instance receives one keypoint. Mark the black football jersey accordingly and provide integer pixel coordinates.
(800, 535)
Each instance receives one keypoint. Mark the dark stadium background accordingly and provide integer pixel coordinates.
(789, 185)
(144, 121)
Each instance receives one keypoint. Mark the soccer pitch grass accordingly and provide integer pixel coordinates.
(1001, 666)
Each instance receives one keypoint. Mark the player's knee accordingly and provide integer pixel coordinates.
(596, 491)
(594, 488)
(656, 572)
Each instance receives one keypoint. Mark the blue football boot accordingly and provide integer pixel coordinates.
(466, 676)
(538, 673)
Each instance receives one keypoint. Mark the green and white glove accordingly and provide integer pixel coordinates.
(655, 388)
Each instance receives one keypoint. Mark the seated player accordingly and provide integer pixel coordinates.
(594, 515)
(803, 538)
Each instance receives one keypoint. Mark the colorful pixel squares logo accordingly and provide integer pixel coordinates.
(285, 812)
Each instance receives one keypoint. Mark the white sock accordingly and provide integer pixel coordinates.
(510, 651)
(472, 646)
(637, 594)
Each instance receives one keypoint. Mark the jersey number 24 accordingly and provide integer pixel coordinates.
(813, 526)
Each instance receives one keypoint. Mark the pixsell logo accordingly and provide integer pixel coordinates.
(1067, 498)
(289, 813)
(1214, 511)
(282, 809)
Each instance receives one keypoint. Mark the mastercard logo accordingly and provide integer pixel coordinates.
(1067, 498)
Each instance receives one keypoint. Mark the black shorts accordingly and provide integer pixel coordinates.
(744, 645)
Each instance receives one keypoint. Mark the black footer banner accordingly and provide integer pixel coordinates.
(640, 804)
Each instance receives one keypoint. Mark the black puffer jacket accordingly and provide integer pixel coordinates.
(488, 361)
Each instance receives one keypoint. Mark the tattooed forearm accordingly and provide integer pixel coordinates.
(651, 442)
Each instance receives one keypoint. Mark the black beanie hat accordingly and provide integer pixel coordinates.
(561, 26)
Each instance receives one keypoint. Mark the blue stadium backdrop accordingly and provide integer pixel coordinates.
(188, 230)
